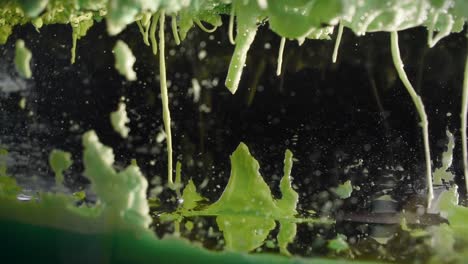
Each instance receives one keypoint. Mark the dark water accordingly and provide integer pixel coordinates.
(349, 120)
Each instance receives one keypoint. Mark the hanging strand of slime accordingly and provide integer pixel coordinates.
(143, 32)
(337, 43)
(164, 93)
(464, 114)
(231, 26)
(175, 32)
(419, 108)
(202, 27)
(154, 25)
(280, 56)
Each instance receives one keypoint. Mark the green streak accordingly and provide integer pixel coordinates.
(464, 114)
(165, 97)
(144, 33)
(154, 24)
(231, 26)
(419, 108)
(337, 43)
(73, 49)
(447, 26)
(202, 27)
(22, 59)
(244, 39)
(175, 32)
(280, 56)
(178, 179)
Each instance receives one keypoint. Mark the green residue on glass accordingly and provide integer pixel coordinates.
(414, 232)
(59, 161)
(287, 205)
(442, 240)
(119, 120)
(189, 226)
(344, 190)
(124, 60)
(338, 244)
(122, 195)
(22, 103)
(443, 172)
(464, 119)
(33, 8)
(3, 162)
(80, 195)
(80, 25)
(22, 59)
(8, 186)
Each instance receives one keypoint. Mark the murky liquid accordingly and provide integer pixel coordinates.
(347, 121)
